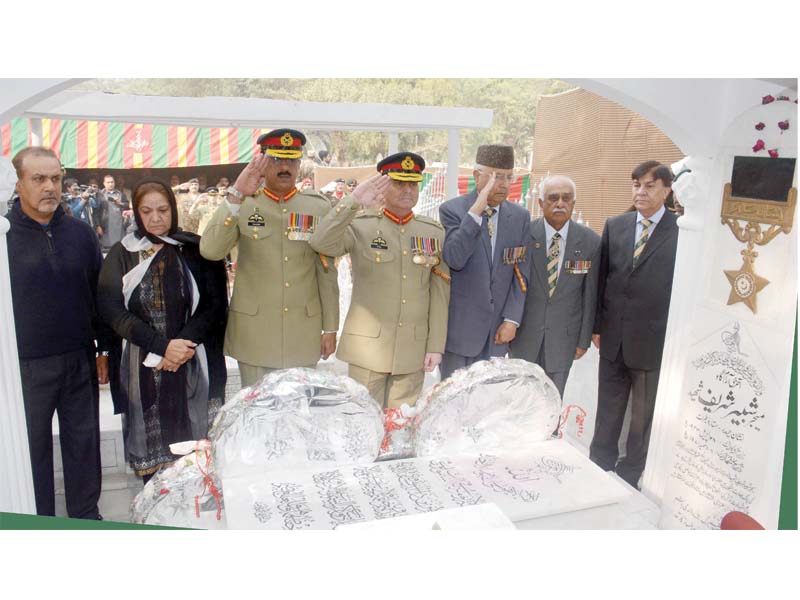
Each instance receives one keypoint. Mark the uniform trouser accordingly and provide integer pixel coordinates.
(616, 382)
(251, 374)
(389, 390)
(65, 384)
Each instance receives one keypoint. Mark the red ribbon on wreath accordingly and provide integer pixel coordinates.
(208, 483)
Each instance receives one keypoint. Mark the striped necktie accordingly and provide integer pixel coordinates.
(638, 248)
(489, 212)
(552, 263)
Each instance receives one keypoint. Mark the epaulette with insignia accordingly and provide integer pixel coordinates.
(369, 212)
(314, 194)
(429, 221)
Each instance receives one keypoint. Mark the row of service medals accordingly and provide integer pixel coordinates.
(426, 251)
(301, 227)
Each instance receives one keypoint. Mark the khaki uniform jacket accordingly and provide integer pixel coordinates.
(398, 312)
(186, 221)
(283, 297)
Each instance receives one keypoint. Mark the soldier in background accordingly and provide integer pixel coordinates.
(186, 194)
(285, 307)
(204, 207)
(397, 324)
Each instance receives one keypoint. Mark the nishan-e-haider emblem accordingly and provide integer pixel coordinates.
(757, 205)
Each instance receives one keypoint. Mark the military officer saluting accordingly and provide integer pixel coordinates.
(285, 306)
(397, 324)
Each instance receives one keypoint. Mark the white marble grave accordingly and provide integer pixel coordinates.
(550, 478)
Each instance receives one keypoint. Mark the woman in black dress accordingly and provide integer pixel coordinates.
(167, 306)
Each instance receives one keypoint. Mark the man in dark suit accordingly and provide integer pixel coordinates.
(563, 259)
(485, 239)
(636, 264)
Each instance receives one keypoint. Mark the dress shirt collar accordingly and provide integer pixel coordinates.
(550, 231)
(654, 219)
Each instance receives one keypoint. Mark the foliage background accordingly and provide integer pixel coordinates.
(513, 101)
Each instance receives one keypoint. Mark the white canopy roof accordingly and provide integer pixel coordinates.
(216, 111)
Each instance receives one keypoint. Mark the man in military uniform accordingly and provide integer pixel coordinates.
(286, 295)
(397, 324)
(204, 208)
(186, 195)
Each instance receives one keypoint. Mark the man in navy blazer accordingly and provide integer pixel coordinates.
(485, 239)
(637, 259)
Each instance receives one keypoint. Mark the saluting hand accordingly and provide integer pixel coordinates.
(247, 182)
(370, 192)
(482, 201)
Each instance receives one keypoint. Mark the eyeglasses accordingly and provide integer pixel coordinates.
(507, 177)
(555, 197)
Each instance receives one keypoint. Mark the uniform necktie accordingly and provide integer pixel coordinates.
(638, 248)
(489, 212)
(552, 262)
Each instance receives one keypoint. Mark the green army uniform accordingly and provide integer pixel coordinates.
(398, 311)
(284, 297)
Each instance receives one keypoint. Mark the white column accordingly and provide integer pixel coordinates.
(16, 482)
(453, 151)
(394, 141)
(36, 132)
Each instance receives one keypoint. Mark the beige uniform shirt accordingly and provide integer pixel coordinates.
(203, 209)
(283, 297)
(398, 312)
(185, 220)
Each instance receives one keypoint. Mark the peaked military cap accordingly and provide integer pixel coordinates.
(282, 143)
(212, 191)
(403, 166)
(496, 156)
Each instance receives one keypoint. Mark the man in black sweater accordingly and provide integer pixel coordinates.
(54, 263)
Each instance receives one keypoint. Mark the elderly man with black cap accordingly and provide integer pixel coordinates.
(396, 327)
(485, 247)
(285, 307)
